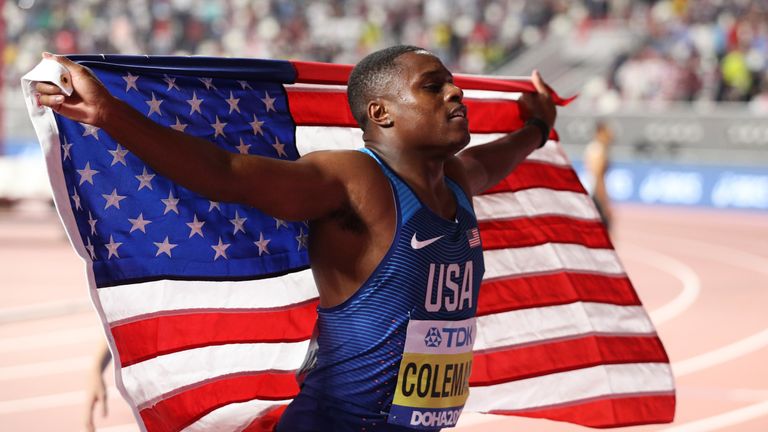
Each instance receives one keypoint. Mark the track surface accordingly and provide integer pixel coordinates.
(700, 273)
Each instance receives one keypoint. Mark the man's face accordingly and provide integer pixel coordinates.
(426, 107)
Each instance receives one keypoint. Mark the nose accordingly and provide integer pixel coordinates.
(454, 93)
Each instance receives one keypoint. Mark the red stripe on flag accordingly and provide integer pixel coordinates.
(326, 108)
(182, 409)
(267, 422)
(321, 73)
(515, 293)
(338, 74)
(528, 361)
(534, 174)
(610, 411)
(523, 232)
(148, 338)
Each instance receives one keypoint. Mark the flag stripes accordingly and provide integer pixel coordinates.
(561, 332)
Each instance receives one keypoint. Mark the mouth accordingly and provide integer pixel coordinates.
(458, 112)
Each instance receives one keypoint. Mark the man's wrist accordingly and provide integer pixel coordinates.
(543, 128)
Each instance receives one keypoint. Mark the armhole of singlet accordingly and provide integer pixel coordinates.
(463, 199)
(395, 240)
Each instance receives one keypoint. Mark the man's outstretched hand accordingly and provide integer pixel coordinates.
(90, 100)
(540, 104)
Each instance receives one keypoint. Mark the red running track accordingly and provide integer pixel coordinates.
(701, 274)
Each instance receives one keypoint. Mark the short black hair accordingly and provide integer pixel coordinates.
(370, 77)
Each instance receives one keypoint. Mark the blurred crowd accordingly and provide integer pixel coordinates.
(695, 50)
(687, 50)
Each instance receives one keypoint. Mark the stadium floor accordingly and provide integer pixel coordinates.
(700, 273)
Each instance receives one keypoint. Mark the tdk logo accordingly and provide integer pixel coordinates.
(454, 337)
(433, 338)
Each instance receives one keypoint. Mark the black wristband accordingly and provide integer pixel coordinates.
(543, 128)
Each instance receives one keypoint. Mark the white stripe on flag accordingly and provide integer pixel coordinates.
(561, 321)
(233, 417)
(127, 301)
(534, 202)
(550, 257)
(575, 385)
(315, 138)
(151, 379)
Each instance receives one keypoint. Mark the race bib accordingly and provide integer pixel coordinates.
(433, 381)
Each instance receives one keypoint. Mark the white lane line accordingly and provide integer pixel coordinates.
(723, 420)
(90, 334)
(56, 400)
(736, 258)
(723, 354)
(39, 369)
(44, 310)
(683, 272)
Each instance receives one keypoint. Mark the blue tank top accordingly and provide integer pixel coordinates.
(401, 346)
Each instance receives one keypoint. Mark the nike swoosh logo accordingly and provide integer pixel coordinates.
(416, 244)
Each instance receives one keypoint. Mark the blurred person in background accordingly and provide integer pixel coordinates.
(96, 391)
(596, 162)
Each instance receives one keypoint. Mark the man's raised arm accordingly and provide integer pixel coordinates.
(487, 164)
(313, 183)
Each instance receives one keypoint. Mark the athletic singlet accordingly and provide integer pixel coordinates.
(400, 348)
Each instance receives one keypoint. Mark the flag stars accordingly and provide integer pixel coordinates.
(194, 103)
(76, 199)
(171, 203)
(238, 223)
(139, 224)
(86, 174)
(130, 82)
(256, 125)
(221, 250)
(171, 81)
(154, 106)
(145, 180)
(112, 247)
(90, 130)
(301, 239)
(245, 85)
(208, 82)
(213, 205)
(218, 128)
(269, 102)
(243, 147)
(92, 223)
(279, 148)
(232, 101)
(165, 247)
(113, 199)
(118, 155)
(262, 244)
(179, 126)
(279, 223)
(196, 227)
(91, 249)
(66, 146)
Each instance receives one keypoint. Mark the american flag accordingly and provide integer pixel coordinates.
(209, 307)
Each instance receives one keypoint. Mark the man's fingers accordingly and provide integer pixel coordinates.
(53, 101)
(47, 88)
(539, 84)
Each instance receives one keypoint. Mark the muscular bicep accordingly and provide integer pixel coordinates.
(306, 189)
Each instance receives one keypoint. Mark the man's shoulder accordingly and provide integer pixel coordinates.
(346, 165)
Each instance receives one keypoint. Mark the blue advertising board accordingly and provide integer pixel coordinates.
(688, 185)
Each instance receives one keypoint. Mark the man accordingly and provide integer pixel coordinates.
(393, 244)
(597, 156)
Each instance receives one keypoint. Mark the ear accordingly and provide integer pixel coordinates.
(378, 113)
